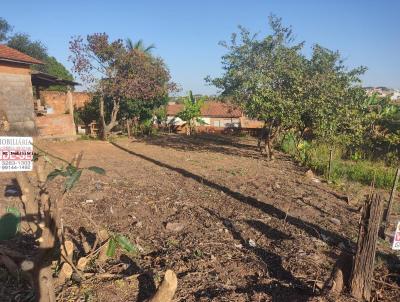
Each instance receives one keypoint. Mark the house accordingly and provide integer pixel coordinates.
(16, 94)
(27, 108)
(217, 116)
(214, 115)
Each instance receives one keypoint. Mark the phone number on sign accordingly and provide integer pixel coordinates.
(14, 165)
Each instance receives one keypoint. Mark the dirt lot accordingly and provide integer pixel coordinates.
(233, 226)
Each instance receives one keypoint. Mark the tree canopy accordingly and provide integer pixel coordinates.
(116, 72)
(35, 49)
(273, 81)
(5, 29)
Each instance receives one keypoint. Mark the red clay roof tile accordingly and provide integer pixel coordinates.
(8, 53)
(210, 109)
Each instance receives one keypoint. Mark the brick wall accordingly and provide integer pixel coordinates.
(57, 100)
(60, 123)
(16, 100)
(55, 125)
(80, 99)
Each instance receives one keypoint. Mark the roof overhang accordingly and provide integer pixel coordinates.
(42, 79)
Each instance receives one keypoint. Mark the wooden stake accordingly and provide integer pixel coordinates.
(167, 288)
(128, 128)
(330, 164)
(363, 267)
(391, 198)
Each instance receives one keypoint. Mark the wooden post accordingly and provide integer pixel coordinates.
(363, 266)
(330, 164)
(391, 198)
(128, 128)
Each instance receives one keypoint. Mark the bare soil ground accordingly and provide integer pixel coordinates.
(233, 226)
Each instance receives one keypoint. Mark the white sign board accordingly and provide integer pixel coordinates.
(396, 241)
(16, 153)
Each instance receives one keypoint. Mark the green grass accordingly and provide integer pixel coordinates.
(316, 157)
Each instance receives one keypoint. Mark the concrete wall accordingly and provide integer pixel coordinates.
(16, 99)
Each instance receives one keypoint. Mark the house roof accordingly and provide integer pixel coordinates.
(209, 109)
(13, 55)
(219, 109)
(174, 109)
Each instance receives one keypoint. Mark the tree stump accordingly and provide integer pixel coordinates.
(363, 267)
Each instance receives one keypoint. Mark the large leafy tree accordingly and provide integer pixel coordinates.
(265, 77)
(119, 74)
(334, 101)
(275, 82)
(24, 43)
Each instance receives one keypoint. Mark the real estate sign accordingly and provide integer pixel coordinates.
(16, 153)
(396, 240)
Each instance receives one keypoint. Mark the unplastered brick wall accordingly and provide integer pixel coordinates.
(80, 99)
(55, 125)
(16, 101)
(58, 100)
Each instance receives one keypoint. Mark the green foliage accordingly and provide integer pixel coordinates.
(265, 77)
(23, 43)
(316, 157)
(139, 45)
(72, 174)
(5, 29)
(55, 68)
(191, 112)
(120, 241)
(97, 170)
(160, 114)
(273, 81)
(38, 50)
(91, 112)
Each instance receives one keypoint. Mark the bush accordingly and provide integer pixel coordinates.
(316, 157)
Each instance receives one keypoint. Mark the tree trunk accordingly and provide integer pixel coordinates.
(128, 127)
(363, 267)
(391, 198)
(113, 122)
(102, 119)
(261, 136)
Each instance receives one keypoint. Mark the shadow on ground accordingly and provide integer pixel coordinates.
(228, 145)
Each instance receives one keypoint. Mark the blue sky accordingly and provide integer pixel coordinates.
(186, 33)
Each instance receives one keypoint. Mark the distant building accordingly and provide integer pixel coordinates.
(382, 92)
(395, 96)
(216, 116)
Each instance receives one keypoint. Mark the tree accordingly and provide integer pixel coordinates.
(119, 74)
(139, 45)
(5, 29)
(333, 100)
(23, 43)
(191, 113)
(273, 81)
(38, 50)
(265, 78)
